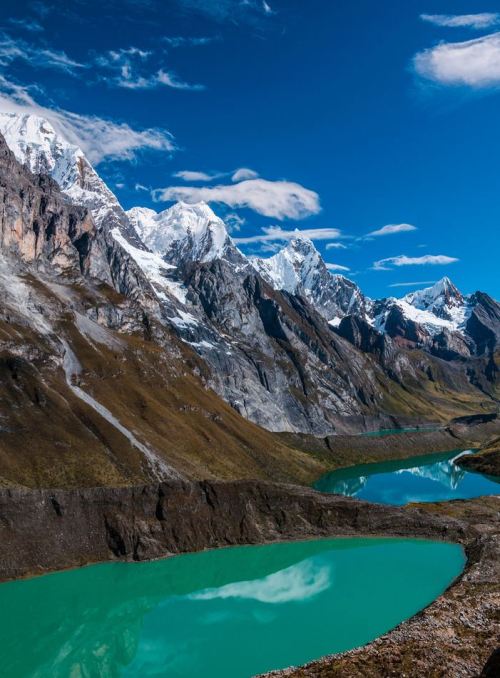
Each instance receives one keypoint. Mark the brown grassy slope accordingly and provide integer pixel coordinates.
(50, 438)
(487, 460)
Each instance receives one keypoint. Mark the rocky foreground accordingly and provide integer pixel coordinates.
(44, 530)
(486, 461)
(458, 635)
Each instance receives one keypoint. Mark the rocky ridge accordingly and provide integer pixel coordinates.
(271, 353)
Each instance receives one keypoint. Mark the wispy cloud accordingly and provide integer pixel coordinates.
(234, 221)
(482, 20)
(336, 246)
(413, 284)
(27, 24)
(194, 175)
(12, 50)
(391, 229)
(99, 138)
(337, 267)
(129, 68)
(189, 41)
(277, 199)
(274, 233)
(236, 11)
(236, 175)
(474, 63)
(402, 260)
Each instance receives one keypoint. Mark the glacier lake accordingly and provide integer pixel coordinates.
(428, 478)
(227, 613)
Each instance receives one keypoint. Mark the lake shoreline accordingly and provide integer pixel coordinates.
(456, 635)
(47, 530)
(63, 529)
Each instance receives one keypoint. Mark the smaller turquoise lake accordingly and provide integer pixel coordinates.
(434, 477)
(228, 613)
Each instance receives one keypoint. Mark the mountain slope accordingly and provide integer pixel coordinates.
(36, 144)
(95, 389)
(268, 349)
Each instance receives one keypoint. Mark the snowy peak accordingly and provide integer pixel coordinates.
(36, 144)
(299, 269)
(293, 268)
(183, 231)
(442, 294)
(443, 300)
(433, 309)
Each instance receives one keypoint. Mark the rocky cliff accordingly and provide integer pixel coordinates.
(113, 350)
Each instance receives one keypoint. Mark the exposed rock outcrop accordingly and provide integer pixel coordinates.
(456, 635)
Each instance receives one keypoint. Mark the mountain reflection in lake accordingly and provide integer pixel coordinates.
(430, 478)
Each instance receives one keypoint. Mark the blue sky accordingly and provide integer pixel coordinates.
(347, 117)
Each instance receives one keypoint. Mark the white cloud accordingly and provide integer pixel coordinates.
(390, 229)
(413, 284)
(273, 233)
(336, 246)
(194, 175)
(127, 68)
(337, 267)
(171, 80)
(100, 139)
(37, 57)
(236, 175)
(267, 7)
(482, 20)
(475, 63)
(403, 260)
(234, 222)
(244, 173)
(278, 199)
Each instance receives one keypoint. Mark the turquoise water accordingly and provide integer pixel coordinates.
(394, 431)
(228, 613)
(434, 477)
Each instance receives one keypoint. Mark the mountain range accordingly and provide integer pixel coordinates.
(150, 344)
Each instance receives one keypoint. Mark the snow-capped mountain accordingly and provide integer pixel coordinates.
(295, 354)
(36, 144)
(182, 232)
(434, 309)
(299, 269)
(443, 299)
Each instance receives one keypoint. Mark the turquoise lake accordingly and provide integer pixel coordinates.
(433, 477)
(228, 613)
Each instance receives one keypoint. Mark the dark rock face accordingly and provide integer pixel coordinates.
(492, 667)
(398, 325)
(451, 345)
(361, 334)
(282, 366)
(51, 529)
(483, 324)
(37, 224)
